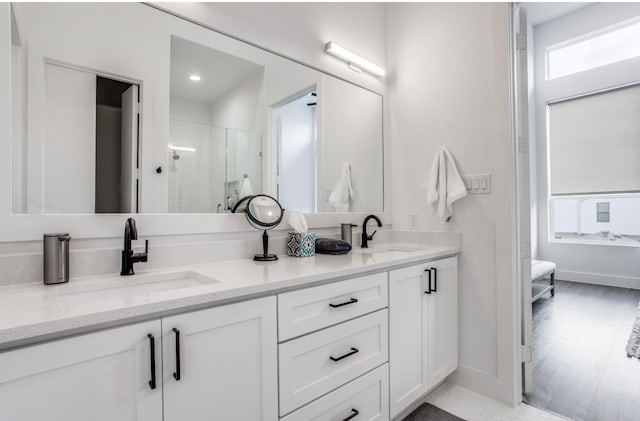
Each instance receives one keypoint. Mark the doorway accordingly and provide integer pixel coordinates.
(116, 146)
(577, 128)
(295, 122)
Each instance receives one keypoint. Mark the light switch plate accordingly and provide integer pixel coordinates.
(477, 183)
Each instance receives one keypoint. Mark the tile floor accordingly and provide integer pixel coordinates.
(473, 406)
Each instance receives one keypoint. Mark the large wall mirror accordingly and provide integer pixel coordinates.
(109, 116)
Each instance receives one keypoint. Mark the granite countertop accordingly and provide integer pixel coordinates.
(34, 312)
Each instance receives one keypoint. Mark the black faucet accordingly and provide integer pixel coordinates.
(366, 238)
(128, 256)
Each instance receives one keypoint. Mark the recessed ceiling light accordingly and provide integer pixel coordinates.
(194, 77)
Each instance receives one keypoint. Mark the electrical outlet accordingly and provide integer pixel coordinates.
(413, 220)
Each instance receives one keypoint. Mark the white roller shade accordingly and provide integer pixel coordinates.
(594, 143)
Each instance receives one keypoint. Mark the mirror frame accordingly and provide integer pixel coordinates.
(31, 227)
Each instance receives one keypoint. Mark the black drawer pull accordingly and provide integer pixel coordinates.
(428, 281)
(346, 303)
(435, 280)
(354, 413)
(176, 374)
(348, 354)
(152, 349)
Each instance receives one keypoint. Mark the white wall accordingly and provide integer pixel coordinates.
(242, 107)
(586, 263)
(449, 85)
(349, 134)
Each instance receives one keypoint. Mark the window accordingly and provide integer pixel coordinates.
(594, 168)
(597, 49)
(594, 143)
(602, 212)
(596, 219)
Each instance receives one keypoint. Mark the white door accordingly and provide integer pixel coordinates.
(129, 151)
(101, 376)
(443, 319)
(408, 336)
(221, 363)
(523, 193)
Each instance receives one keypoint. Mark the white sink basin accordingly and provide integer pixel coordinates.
(132, 286)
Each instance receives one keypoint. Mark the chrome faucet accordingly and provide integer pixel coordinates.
(128, 256)
(366, 238)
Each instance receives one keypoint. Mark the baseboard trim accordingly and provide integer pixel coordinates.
(598, 279)
(480, 381)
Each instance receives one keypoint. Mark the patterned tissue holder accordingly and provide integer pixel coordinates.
(301, 244)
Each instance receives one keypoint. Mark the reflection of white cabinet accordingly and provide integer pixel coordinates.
(102, 376)
(423, 329)
(221, 363)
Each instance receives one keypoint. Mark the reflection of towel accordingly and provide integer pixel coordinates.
(245, 188)
(444, 184)
(342, 190)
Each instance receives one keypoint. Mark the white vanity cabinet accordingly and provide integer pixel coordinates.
(336, 366)
(221, 363)
(423, 329)
(102, 376)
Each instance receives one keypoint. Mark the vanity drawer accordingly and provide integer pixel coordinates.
(310, 309)
(315, 364)
(366, 398)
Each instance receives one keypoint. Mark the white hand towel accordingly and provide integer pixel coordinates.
(342, 191)
(245, 188)
(444, 185)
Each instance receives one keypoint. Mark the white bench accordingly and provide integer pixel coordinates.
(539, 270)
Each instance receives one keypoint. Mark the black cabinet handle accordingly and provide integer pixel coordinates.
(428, 281)
(348, 354)
(435, 280)
(176, 374)
(354, 413)
(152, 349)
(346, 303)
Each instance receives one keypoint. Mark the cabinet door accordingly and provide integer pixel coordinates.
(408, 336)
(225, 364)
(443, 320)
(102, 376)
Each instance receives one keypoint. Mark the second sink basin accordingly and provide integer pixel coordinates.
(397, 248)
(132, 286)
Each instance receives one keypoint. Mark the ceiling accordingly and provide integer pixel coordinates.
(219, 72)
(543, 12)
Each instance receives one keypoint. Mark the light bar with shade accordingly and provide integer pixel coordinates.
(355, 61)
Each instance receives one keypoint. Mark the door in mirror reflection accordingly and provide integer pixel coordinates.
(295, 122)
(87, 158)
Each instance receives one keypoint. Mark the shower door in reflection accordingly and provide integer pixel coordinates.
(210, 168)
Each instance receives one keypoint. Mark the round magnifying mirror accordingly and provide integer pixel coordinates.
(264, 212)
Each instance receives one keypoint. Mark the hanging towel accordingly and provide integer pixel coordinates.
(342, 191)
(444, 185)
(245, 188)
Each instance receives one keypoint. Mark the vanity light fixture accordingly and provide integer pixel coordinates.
(194, 77)
(181, 148)
(355, 62)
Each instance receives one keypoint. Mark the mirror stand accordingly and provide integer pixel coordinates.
(265, 257)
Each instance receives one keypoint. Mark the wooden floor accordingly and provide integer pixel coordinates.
(581, 370)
